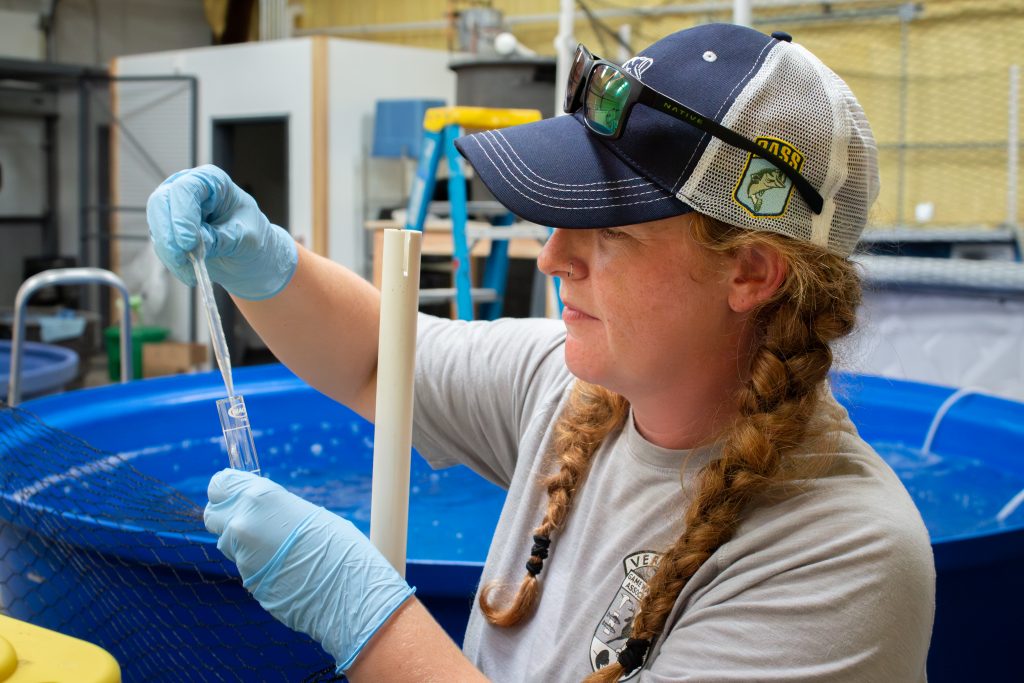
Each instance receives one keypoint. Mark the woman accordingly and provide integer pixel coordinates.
(688, 498)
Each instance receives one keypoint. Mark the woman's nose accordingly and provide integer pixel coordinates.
(555, 257)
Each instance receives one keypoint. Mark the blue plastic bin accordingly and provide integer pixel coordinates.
(398, 127)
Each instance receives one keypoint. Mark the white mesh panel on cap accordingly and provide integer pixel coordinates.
(859, 189)
(797, 99)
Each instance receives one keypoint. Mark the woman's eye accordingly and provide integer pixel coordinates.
(612, 234)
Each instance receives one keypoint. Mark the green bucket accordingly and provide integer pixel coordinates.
(141, 334)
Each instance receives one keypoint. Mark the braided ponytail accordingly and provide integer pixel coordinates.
(815, 305)
(592, 413)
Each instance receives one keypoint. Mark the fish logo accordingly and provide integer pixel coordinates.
(636, 66)
(764, 189)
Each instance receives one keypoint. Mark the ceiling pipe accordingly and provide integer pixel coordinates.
(521, 19)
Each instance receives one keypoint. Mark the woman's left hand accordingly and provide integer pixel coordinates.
(311, 569)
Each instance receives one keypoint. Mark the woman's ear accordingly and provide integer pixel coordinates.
(758, 272)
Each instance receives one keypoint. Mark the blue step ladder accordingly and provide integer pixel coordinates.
(441, 125)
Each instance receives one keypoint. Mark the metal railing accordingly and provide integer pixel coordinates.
(65, 276)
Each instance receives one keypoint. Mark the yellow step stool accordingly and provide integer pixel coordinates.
(31, 654)
(480, 118)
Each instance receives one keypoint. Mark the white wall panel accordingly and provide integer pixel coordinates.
(237, 81)
(360, 74)
(267, 79)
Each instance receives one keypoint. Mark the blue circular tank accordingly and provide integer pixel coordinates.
(966, 486)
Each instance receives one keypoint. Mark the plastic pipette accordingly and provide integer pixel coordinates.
(220, 345)
(234, 419)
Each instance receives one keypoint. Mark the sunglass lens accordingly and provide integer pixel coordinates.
(572, 88)
(605, 99)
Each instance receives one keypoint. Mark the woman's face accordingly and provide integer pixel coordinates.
(646, 308)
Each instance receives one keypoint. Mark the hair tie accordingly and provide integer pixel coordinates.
(539, 551)
(632, 656)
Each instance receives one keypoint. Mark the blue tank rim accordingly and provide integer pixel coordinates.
(169, 390)
(58, 367)
(439, 578)
(915, 402)
(190, 552)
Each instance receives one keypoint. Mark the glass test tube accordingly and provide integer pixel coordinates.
(234, 421)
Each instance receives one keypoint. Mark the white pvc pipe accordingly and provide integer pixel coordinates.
(933, 428)
(1010, 507)
(565, 50)
(625, 38)
(741, 12)
(1013, 157)
(709, 7)
(392, 441)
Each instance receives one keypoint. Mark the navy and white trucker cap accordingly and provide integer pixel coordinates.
(556, 173)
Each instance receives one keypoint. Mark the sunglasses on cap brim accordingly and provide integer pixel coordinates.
(607, 95)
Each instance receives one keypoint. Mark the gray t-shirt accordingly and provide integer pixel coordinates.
(834, 582)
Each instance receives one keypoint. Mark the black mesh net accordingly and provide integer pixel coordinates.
(93, 548)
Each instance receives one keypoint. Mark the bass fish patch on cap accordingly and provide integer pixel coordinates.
(763, 189)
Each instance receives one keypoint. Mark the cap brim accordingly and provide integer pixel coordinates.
(556, 173)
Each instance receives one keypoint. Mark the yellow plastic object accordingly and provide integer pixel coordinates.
(31, 654)
(482, 118)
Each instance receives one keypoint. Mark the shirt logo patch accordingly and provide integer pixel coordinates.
(763, 189)
(617, 623)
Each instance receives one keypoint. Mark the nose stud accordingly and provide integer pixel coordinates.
(569, 274)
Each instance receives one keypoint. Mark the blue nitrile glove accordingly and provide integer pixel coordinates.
(245, 252)
(311, 569)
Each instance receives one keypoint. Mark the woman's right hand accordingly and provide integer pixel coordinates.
(247, 254)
